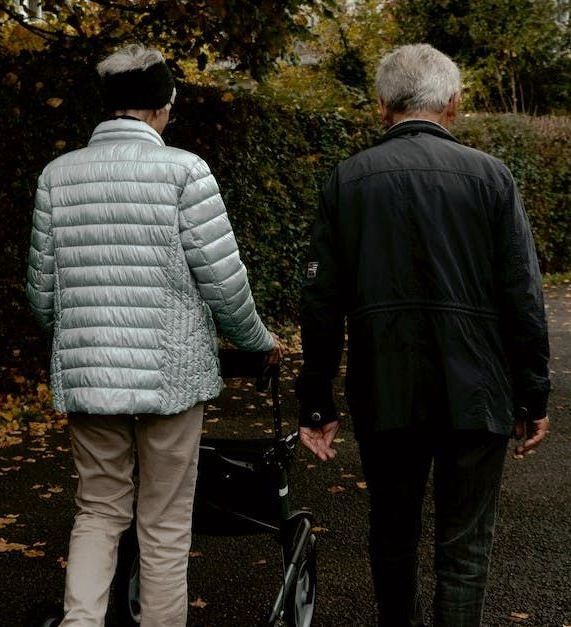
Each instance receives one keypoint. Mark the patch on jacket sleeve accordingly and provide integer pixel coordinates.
(312, 269)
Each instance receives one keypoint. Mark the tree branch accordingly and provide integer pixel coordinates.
(44, 34)
(122, 7)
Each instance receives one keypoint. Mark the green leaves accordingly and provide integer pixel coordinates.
(250, 33)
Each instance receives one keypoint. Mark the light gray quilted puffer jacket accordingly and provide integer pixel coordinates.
(131, 251)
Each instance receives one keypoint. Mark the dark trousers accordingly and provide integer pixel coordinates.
(467, 473)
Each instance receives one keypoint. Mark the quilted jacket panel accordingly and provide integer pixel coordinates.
(131, 255)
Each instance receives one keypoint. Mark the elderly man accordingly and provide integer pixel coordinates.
(424, 246)
(131, 254)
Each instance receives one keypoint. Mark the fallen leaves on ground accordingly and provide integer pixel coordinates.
(9, 519)
(199, 603)
(318, 529)
(7, 547)
(62, 562)
(25, 405)
(518, 617)
(10, 547)
(362, 485)
(335, 489)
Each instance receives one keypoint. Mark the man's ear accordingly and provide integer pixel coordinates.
(384, 112)
(452, 107)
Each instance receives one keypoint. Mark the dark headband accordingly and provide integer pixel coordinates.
(150, 88)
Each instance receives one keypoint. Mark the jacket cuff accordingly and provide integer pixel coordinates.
(531, 410)
(315, 393)
(316, 417)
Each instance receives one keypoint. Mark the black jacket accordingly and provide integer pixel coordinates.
(424, 247)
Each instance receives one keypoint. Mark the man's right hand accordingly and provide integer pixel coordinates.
(532, 433)
(320, 440)
(275, 355)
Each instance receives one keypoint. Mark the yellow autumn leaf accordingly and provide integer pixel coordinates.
(33, 553)
(518, 617)
(7, 520)
(318, 529)
(335, 489)
(54, 102)
(7, 547)
(362, 485)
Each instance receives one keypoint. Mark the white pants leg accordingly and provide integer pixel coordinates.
(168, 460)
(103, 450)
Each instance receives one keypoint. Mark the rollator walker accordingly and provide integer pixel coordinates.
(242, 488)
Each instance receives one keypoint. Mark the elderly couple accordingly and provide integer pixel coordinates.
(420, 243)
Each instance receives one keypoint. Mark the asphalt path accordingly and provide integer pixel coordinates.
(236, 578)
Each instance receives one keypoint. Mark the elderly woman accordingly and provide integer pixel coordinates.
(131, 254)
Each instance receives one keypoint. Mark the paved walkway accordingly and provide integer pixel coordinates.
(238, 577)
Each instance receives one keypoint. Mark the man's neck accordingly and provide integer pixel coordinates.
(443, 118)
(418, 119)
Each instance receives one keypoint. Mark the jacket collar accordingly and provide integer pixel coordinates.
(410, 127)
(125, 130)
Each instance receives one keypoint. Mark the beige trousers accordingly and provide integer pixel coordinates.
(103, 451)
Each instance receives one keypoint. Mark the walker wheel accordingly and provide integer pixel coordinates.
(127, 600)
(300, 605)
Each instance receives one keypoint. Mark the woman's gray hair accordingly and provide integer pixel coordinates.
(131, 57)
(417, 78)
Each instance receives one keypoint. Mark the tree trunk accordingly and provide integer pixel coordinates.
(514, 90)
(501, 91)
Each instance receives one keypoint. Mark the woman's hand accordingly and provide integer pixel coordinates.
(275, 355)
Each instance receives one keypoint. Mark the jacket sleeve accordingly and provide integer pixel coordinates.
(522, 312)
(212, 255)
(40, 275)
(322, 316)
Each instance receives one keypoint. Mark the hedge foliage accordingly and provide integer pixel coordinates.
(269, 160)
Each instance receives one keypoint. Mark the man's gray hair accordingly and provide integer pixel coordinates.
(417, 78)
(131, 57)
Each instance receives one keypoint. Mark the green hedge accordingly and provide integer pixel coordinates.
(269, 161)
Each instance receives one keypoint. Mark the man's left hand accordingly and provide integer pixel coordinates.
(319, 440)
(532, 434)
